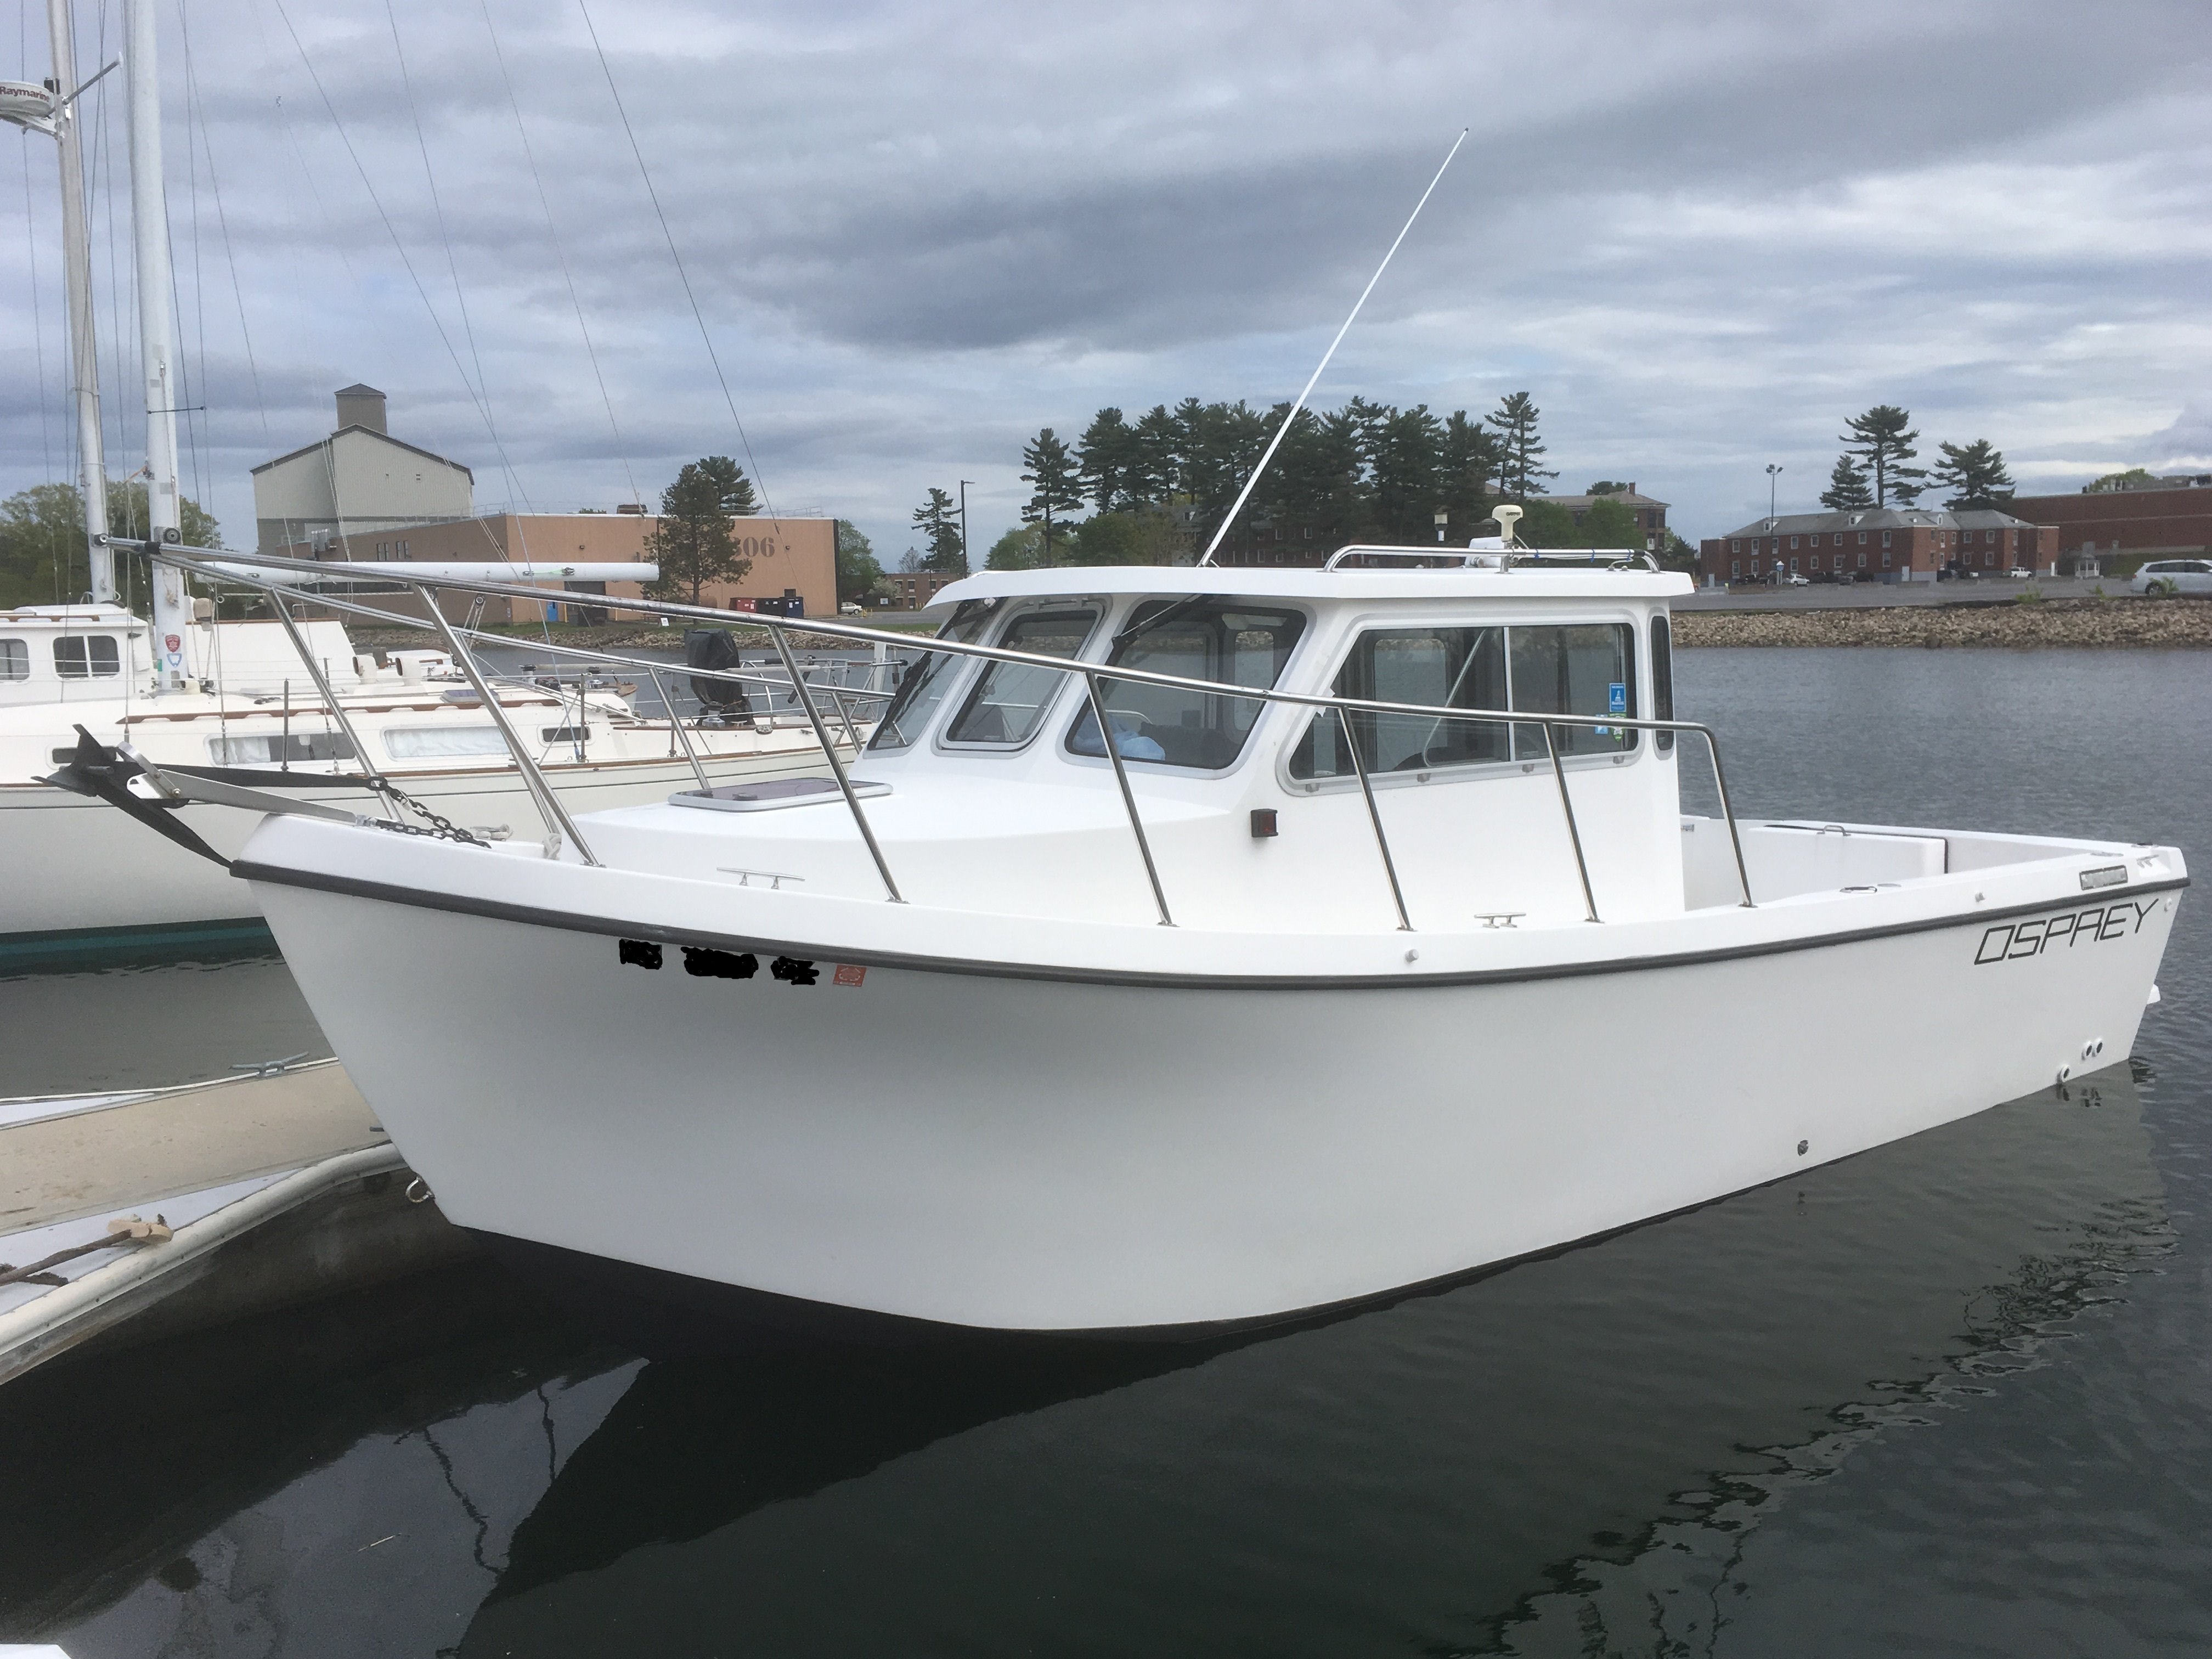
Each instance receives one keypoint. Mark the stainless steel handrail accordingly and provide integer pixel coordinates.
(838, 769)
(549, 804)
(1375, 817)
(191, 558)
(1566, 805)
(1497, 558)
(1128, 795)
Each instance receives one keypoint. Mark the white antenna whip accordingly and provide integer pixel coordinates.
(1276, 439)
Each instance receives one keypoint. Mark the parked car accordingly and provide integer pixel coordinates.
(2185, 575)
(2020, 572)
(1793, 579)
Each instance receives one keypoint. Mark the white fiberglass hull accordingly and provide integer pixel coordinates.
(1171, 1141)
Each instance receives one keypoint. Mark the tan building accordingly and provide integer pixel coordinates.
(360, 481)
(792, 558)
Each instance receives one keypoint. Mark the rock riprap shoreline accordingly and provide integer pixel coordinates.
(2091, 624)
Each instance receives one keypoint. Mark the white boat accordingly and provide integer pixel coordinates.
(79, 872)
(1226, 1028)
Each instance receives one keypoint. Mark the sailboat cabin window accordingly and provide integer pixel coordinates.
(278, 748)
(428, 743)
(1010, 698)
(1200, 639)
(86, 656)
(14, 660)
(1588, 669)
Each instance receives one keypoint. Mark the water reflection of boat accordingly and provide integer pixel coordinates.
(1487, 1463)
(1417, 1471)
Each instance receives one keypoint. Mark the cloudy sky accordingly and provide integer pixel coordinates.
(1699, 235)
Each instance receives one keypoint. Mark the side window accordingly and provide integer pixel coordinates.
(275, 749)
(1444, 667)
(1584, 669)
(1662, 676)
(915, 704)
(86, 656)
(14, 660)
(1010, 698)
(1200, 639)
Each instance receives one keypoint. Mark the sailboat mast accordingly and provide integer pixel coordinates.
(77, 265)
(149, 235)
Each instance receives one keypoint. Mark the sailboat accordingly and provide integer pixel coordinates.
(285, 703)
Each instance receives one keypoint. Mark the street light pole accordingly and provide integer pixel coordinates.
(1773, 473)
(964, 483)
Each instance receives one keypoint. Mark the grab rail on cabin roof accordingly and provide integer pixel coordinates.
(1498, 558)
(194, 559)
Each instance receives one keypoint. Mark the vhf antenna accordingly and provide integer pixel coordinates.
(1275, 442)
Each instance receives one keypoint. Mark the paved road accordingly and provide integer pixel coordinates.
(1863, 596)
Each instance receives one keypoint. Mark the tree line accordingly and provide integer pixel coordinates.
(1877, 469)
(42, 558)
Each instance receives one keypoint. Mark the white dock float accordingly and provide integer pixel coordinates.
(215, 1164)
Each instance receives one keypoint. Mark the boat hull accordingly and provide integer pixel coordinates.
(1013, 1149)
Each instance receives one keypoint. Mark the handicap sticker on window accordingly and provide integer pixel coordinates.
(1616, 697)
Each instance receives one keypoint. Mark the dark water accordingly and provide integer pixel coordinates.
(1954, 1396)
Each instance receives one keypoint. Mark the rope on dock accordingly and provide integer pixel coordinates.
(124, 1232)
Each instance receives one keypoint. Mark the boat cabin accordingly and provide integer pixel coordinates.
(987, 787)
(56, 653)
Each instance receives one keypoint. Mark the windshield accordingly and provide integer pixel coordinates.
(1202, 638)
(927, 681)
(1010, 698)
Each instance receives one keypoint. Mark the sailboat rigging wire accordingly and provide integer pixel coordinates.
(393, 231)
(1230, 518)
(195, 106)
(453, 264)
(560, 252)
(683, 276)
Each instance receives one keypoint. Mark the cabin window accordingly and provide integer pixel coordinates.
(1446, 667)
(14, 660)
(86, 656)
(1662, 676)
(1010, 698)
(432, 742)
(563, 733)
(927, 681)
(278, 748)
(1201, 639)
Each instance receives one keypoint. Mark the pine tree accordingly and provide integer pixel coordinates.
(1847, 490)
(1515, 418)
(1155, 469)
(1403, 464)
(1975, 475)
(731, 488)
(1469, 457)
(1108, 462)
(1882, 440)
(938, 520)
(693, 542)
(1057, 491)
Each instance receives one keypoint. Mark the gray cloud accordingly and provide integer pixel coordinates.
(1702, 236)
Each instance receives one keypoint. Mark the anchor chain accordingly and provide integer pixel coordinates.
(439, 827)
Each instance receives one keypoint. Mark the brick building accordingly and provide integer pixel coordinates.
(1877, 544)
(1650, 513)
(918, 589)
(2165, 516)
